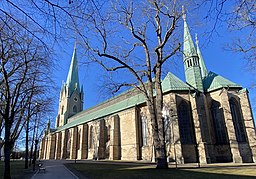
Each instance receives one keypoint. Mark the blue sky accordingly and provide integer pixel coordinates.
(223, 62)
(226, 63)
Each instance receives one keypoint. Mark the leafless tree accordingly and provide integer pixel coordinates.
(24, 78)
(135, 39)
(239, 16)
(48, 19)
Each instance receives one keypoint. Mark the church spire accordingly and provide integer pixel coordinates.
(71, 96)
(204, 71)
(190, 59)
(188, 45)
(72, 78)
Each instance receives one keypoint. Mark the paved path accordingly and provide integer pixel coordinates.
(54, 169)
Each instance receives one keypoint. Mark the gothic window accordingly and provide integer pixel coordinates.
(91, 138)
(75, 109)
(62, 109)
(144, 126)
(108, 132)
(78, 139)
(187, 135)
(68, 135)
(237, 121)
(188, 63)
(58, 120)
(218, 123)
(107, 140)
(166, 120)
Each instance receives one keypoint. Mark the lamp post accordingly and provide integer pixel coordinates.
(173, 139)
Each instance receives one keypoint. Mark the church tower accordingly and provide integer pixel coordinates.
(71, 96)
(191, 60)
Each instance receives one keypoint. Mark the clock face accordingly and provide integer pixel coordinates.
(75, 99)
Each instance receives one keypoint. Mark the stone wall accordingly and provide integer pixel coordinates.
(119, 136)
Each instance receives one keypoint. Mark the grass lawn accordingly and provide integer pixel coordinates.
(99, 171)
(17, 170)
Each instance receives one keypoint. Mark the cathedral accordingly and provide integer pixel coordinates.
(207, 119)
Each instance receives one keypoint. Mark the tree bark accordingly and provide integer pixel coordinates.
(160, 148)
(7, 151)
(26, 155)
(155, 110)
(32, 147)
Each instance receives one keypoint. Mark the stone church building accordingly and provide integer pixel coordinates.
(207, 119)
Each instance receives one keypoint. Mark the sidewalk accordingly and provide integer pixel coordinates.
(54, 169)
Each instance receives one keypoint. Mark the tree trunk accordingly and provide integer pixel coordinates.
(32, 144)
(7, 151)
(26, 155)
(160, 146)
(158, 143)
(31, 149)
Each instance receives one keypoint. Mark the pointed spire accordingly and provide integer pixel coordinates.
(188, 46)
(72, 78)
(183, 13)
(204, 71)
(82, 89)
(48, 124)
(191, 59)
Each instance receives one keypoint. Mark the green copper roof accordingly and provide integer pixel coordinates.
(188, 46)
(204, 71)
(82, 117)
(172, 83)
(72, 78)
(214, 81)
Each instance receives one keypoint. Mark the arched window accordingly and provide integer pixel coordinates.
(144, 127)
(58, 121)
(62, 109)
(68, 142)
(166, 120)
(78, 139)
(187, 135)
(74, 109)
(108, 132)
(237, 121)
(218, 123)
(91, 138)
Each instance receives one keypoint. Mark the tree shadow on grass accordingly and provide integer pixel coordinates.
(116, 171)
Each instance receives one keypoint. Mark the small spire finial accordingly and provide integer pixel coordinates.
(197, 41)
(75, 45)
(183, 13)
(48, 124)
